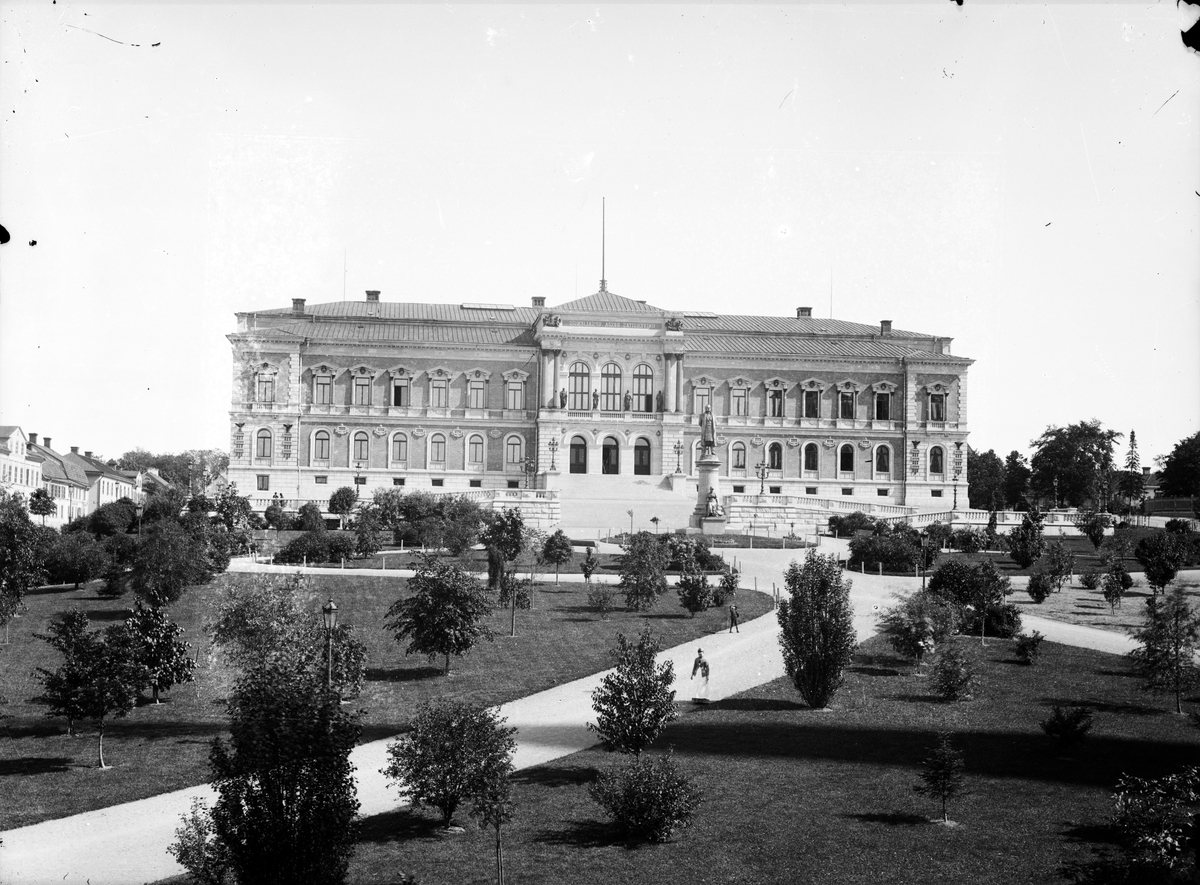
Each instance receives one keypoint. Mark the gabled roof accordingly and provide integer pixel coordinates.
(787, 326)
(411, 311)
(813, 346)
(94, 465)
(396, 332)
(55, 466)
(608, 302)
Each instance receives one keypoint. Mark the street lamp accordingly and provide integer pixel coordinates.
(760, 470)
(140, 510)
(630, 512)
(530, 470)
(329, 613)
(957, 470)
(678, 456)
(553, 447)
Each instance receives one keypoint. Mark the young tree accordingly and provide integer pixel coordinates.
(1114, 584)
(1025, 542)
(643, 571)
(1161, 555)
(444, 613)
(66, 633)
(694, 593)
(985, 479)
(502, 534)
(169, 560)
(634, 703)
(342, 502)
(76, 559)
(453, 752)
(21, 558)
(918, 623)
(114, 518)
(286, 796)
(1060, 564)
(41, 504)
(159, 650)
(816, 628)
(233, 509)
(1016, 480)
(557, 550)
(1180, 476)
(120, 551)
(1092, 524)
(275, 516)
(1168, 637)
(1132, 483)
(493, 806)
(310, 518)
(942, 777)
(367, 537)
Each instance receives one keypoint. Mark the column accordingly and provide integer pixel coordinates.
(669, 384)
(556, 365)
(549, 396)
(679, 382)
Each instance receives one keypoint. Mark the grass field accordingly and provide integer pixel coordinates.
(797, 796)
(1076, 604)
(47, 774)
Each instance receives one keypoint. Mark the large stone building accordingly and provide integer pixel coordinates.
(602, 392)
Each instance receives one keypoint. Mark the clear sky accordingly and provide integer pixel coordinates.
(1021, 177)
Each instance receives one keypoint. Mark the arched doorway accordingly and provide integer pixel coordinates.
(641, 458)
(578, 461)
(610, 456)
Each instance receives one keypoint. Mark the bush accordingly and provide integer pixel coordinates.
(634, 703)
(727, 588)
(1068, 726)
(918, 623)
(896, 551)
(1179, 526)
(851, 523)
(341, 546)
(694, 593)
(952, 676)
(601, 597)
(969, 540)
(1002, 621)
(1029, 646)
(1155, 820)
(1090, 579)
(310, 547)
(648, 798)
(1041, 585)
(198, 851)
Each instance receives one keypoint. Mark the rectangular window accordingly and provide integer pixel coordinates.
(400, 393)
(476, 483)
(703, 399)
(399, 448)
(810, 490)
(739, 490)
(266, 390)
(475, 395)
(321, 480)
(847, 491)
(936, 493)
(514, 395)
(514, 453)
(812, 403)
(883, 493)
(264, 482)
(937, 407)
(737, 402)
(439, 396)
(846, 405)
(883, 407)
(514, 483)
(475, 450)
(437, 449)
(397, 480)
(775, 403)
(360, 480)
(362, 391)
(774, 490)
(438, 483)
(323, 390)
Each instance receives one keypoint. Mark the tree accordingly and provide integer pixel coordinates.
(558, 551)
(114, 518)
(493, 806)
(1025, 542)
(454, 751)
(41, 504)
(694, 593)
(342, 502)
(444, 613)
(918, 623)
(367, 537)
(1180, 474)
(634, 703)
(1132, 483)
(501, 537)
(1069, 463)
(1060, 564)
(275, 517)
(76, 559)
(643, 571)
(1092, 525)
(21, 562)
(816, 627)
(942, 774)
(67, 633)
(985, 479)
(1168, 638)
(1016, 480)
(233, 509)
(310, 518)
(647, 797)
(159, 650)
(169, 560)
(286, 796)
(1161, 554)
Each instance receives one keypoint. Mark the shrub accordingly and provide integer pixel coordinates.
(309, 547)
(952, 676)
(851, 523)
(1029, 646)
(1090, 579)
(1040, 586)
(634, 703)
(1115, 582)
(1155, 819)
(341, 546)
(918, 623)
(1178, 526)
(309, 518)
(816, 628)
(727, 588)
(896, 551)
(694, 593)
(648, 798)
(642, 571)
(601, 597)
(197, 849)
(1025, 542)
(1068, 726)
(1002, 621)
(969, 540)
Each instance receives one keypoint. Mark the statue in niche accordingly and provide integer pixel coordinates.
(658, 401)
(628, 402)
(562, 398)
(595, 399)
(708, 433)
(711, 508)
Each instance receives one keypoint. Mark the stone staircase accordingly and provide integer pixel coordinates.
(594, 505)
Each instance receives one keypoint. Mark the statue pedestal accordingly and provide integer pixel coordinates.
(708, 479)
(550, 479)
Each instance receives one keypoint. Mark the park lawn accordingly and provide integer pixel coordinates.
(797, 796)
(1075, 604)
(47, 774)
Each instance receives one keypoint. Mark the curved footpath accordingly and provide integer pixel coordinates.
(126, 844)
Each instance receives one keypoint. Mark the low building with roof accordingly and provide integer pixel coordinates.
(105, 484)
(64, 479)
(20, 471)
(597, 398)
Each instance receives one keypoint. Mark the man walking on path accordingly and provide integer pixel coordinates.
(733, 618)
(700, 666)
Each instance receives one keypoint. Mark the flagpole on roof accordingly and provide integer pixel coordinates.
(603, 281)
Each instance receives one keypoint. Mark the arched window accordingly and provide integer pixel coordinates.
(399, 447)
(846, 459)
(641, 458)
(811, 456)
(643, 389)
(262, 447)
(937, 460)
(321, 445)
(362, 446)
(437, 448)
(610, 388)
(883, 460)
(610, 456)
(514, 450)
(475, 450)
(579, 389)
(578, 462)
(738, 456)
(775, 457)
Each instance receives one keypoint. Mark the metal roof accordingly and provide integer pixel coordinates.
(609, 302)
(421, 333)
(409, 310)
(788, 326)
(811, 346)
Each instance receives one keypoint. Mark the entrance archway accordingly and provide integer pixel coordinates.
(578, 457)
(641, 458)
(610, 456)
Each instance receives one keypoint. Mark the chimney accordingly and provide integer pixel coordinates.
(46, 443)
(885, 327)
(539, 301)
(1145, 471)
(33, 439)
(74, 450)
(372, 294)
(87, 454)
(298, 305)
(802, 312)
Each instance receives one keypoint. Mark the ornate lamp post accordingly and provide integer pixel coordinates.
(678, 456)
(957, 470)
(530, 470)
(329, 613)
(552, 445)
(760, 470)
(141, 508)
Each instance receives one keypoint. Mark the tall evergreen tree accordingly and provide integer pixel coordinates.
(1132, 482)
(1016, 480)
(816, 627)
(1170, 638)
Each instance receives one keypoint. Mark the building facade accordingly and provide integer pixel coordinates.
(487, 396)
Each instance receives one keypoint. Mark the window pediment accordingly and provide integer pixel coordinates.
(776, 384)
(937, 387)
(849, 386)
(441, 373)
(813, 384)
(704, 381)
(740, 382)
(403, 372)
(362, 371)
(477, 374)
(515, 375)
(883, 387)
(266, 369)
(321, 370)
